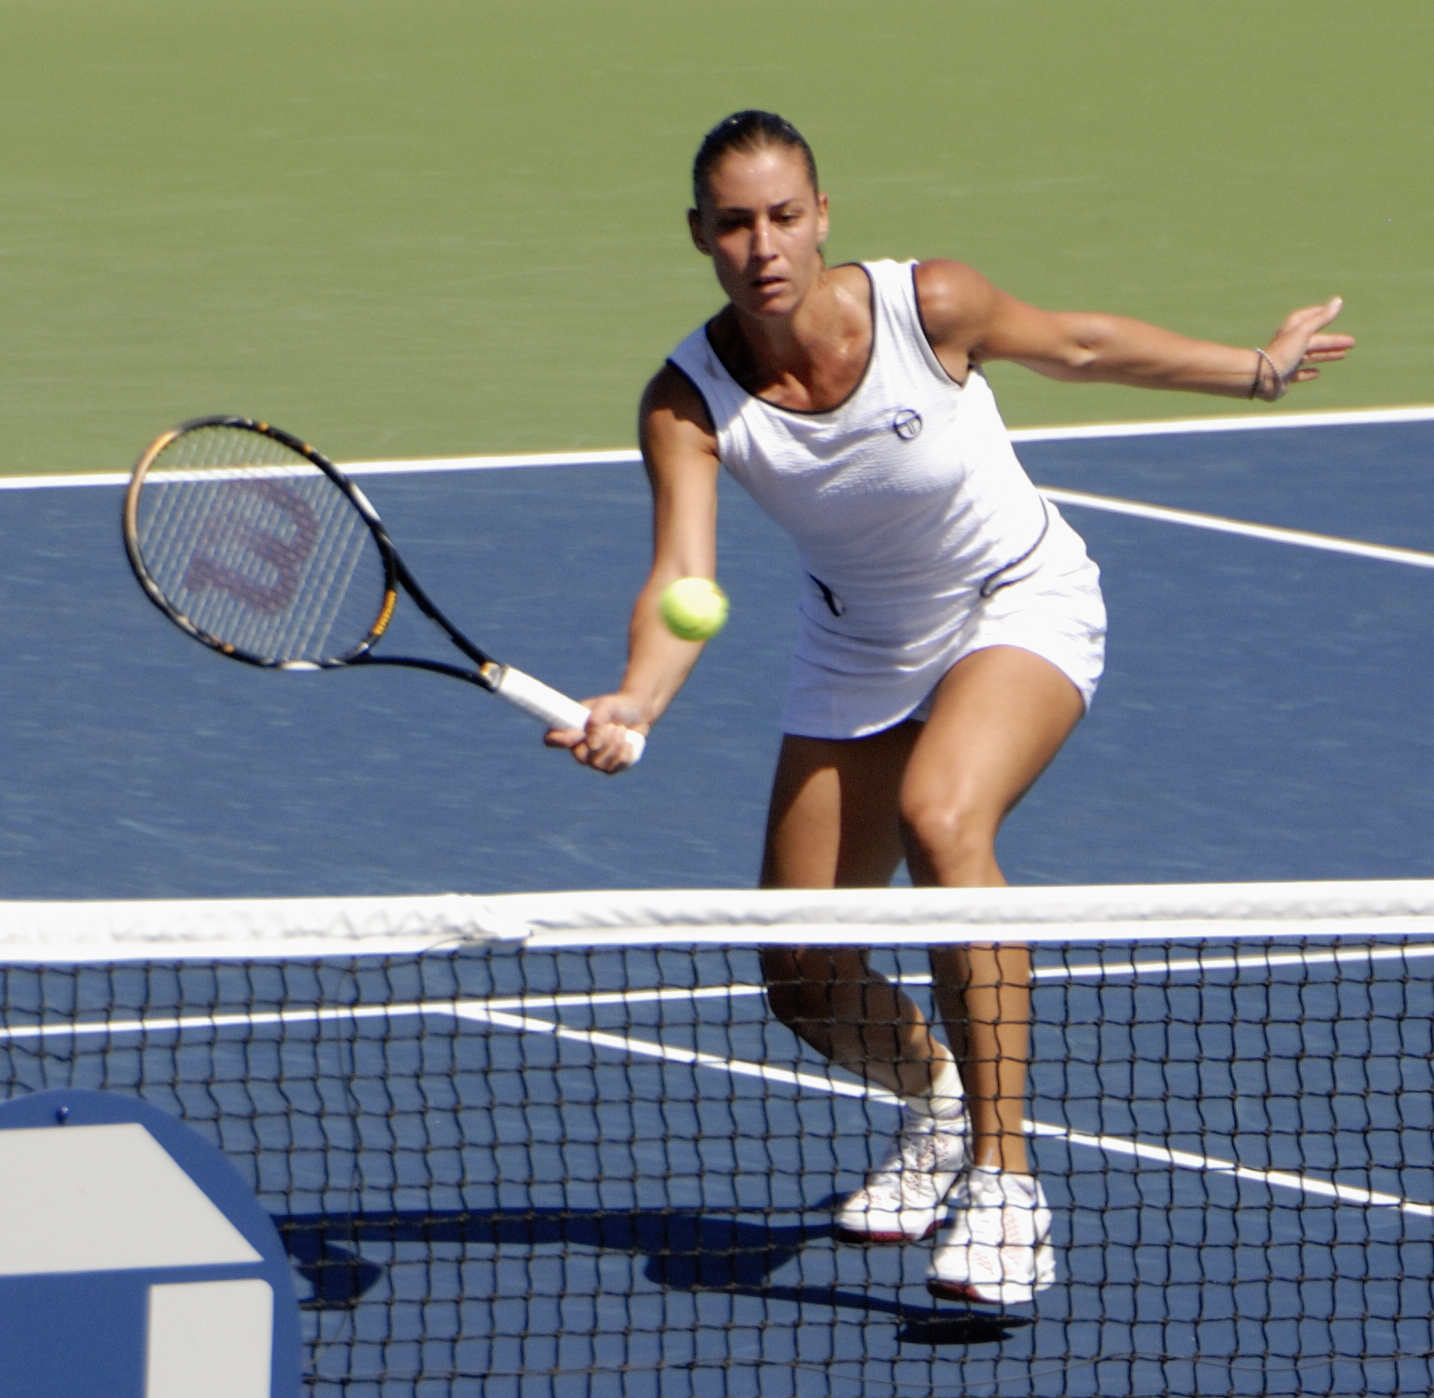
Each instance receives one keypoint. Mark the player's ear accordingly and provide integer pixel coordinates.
(694, 226)
(824, 222)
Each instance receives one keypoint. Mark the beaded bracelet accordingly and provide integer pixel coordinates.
(1260, 372)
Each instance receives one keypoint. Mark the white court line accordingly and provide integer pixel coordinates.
(1093, 970)
(622, 997)
(166, 1024)
(1113, 1145)
(1220, 524)
(482, 1012)
(415, 466)
(1274, 1179)
(63, 482)
(624, 456)
(1097, 970)
(649, 1048)
(1236, 963)
(309, 1015)
(1110, 504)
(1174, 427)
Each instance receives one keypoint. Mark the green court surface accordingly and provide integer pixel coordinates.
(449, 226)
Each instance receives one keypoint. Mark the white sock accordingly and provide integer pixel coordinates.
(944, 1099)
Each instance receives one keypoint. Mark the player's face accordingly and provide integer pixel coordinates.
(762, 224)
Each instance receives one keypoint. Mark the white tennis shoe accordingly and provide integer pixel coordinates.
(998, 1247)
(904, 1198)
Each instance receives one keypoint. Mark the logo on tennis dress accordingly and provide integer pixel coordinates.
(907, 424)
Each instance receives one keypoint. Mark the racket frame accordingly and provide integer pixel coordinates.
(521, 689)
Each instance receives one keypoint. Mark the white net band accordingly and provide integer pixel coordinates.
(306, 927)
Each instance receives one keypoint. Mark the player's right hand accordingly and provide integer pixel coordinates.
(603, 744)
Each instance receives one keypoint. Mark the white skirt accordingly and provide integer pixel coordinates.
(1051, 607)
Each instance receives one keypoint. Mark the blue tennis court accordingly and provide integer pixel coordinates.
(610, 1173)
(1264, 713)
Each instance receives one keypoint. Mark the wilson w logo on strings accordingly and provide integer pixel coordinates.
(254, 544)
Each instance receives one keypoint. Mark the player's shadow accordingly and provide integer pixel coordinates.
(686, 1250)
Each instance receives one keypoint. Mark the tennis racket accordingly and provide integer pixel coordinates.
(258, 546)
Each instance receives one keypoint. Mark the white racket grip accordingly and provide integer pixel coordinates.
(555, 708)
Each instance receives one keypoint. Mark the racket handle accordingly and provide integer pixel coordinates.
(555, 708)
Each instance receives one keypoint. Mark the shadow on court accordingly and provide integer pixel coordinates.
(685, 1250)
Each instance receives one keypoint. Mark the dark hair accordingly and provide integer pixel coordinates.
(749, 131)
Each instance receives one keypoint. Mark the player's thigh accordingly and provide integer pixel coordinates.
(999, 716)
(833, 820)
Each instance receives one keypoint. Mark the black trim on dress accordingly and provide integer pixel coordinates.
(856, 388)
(989, 586)
(926, 335)
(834, 603)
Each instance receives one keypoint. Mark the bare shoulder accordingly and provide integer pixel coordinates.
(673, 421)
(851, 276)
(956, 302)
(670, 392)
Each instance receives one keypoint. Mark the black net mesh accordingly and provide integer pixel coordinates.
(611, 1172)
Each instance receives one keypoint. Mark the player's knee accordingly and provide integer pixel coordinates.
(946, 829)
(803, 981)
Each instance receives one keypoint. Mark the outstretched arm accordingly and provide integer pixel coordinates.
(679, 449)
(968, 321)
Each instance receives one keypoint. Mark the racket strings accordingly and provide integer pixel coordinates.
(258, 548)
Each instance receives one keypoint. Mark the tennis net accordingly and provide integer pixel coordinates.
(556, 1145)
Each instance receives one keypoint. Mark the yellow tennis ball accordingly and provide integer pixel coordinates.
(694, 608)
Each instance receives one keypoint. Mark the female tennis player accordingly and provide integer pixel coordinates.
(951, 638)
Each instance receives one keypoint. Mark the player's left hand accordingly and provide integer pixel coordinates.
(1299, 345)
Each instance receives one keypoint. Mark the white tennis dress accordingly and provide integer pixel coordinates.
(922, 537)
